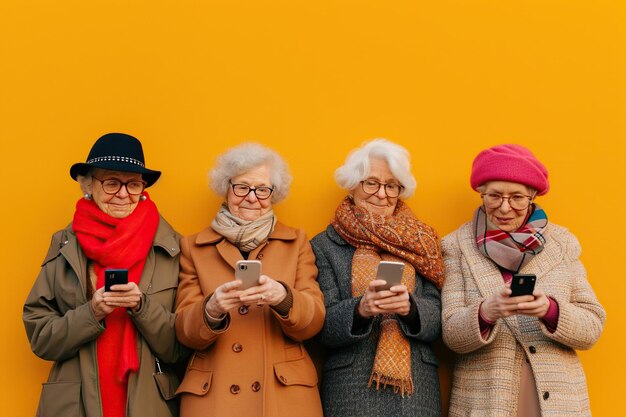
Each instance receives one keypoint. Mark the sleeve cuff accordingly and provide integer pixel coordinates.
(284, 306)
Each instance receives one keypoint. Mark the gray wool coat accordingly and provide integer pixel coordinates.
(351, 351)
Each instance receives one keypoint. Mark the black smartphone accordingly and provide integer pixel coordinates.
(391, 272)
(523, 284)
(114, 277)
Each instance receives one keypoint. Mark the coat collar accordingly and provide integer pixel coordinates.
(165, 237)
(334, 236)
(209, 236)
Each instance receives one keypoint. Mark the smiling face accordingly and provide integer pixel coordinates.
(379, 202)
(505, 217)
(250, 207)
(120, 204)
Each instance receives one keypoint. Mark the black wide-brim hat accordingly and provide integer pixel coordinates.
(117, 152)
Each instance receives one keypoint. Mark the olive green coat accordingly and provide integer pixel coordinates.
(61, 327)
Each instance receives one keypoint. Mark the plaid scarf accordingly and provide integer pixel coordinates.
(399, 237)
(511, 251)
(247, 235)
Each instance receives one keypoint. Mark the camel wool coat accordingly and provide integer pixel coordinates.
(486, 374)
(256, 364)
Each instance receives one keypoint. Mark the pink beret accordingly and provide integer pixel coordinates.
(512, 163)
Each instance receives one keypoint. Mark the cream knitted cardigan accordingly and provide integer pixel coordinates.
(487, 372)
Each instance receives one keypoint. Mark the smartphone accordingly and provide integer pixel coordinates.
(114, 277)
(523, 284)
(391, 272)
(248, 272)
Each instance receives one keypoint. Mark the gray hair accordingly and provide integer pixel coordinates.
(85, 180)
(357, 165)
(241, 159)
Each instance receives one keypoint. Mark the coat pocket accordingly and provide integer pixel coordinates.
(300, 372)
(60, 399)
(428, 356)
(195, 382)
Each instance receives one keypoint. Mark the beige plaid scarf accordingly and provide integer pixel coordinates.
(400, 237)
(245, 234)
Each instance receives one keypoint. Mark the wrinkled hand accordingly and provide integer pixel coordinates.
(268, 292)
(124, 295)
(224, 299)
(99, 307)
(396, 300)
(501, 304)
(121, 295)
(537, 307)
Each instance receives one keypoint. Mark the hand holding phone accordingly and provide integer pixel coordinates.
(114, 277)
(391, 272)
(522, 284)
(248, 272)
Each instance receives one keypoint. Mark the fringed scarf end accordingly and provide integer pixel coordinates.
(401, 386)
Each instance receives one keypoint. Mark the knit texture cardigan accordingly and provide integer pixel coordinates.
(487, 372)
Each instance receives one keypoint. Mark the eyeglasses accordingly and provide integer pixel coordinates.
(371, 187)
(242, 190)
(113, 186)
(516, 201)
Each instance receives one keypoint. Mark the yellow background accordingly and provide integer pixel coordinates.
(313, 80)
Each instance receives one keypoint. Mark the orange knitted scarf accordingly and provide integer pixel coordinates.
(399, 237)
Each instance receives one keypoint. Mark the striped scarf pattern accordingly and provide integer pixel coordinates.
(513, 250)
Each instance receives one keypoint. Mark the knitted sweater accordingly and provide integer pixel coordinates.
(487, 372)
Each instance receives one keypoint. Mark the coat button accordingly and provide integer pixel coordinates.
(532, 349)
(283, 379)
(260, 256)
(243, 310)
(546, 395)
(237, 347)
(205, 386)
(234, 389)
(256, 386)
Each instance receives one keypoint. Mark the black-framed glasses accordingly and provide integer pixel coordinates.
(113, 186)
(242, 190)
(371, 187)
(516, 201)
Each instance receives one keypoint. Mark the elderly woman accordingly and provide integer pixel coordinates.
(516, 353)
(380, 359)
(110, 347)
(249, 359)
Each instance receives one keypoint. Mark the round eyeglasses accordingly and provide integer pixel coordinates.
(242, 190)
(113, 186)
(371, 187)
(516, 201)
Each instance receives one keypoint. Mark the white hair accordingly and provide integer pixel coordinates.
(357, 165)
(241, 159)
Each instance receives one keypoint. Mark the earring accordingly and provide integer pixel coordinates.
(87, 196)
(143, 198)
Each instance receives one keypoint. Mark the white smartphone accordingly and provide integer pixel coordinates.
(248, 272)
(391, 272)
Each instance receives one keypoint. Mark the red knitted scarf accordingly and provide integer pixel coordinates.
(116, 243)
